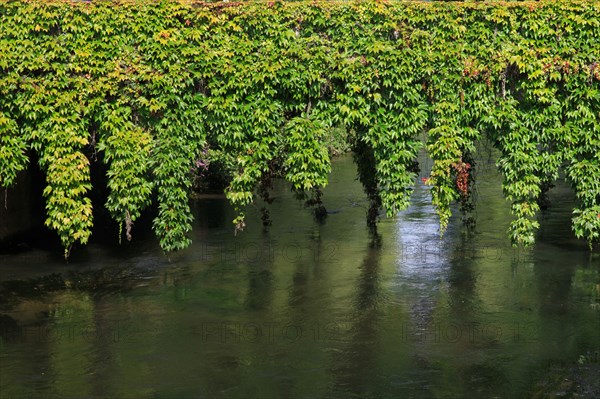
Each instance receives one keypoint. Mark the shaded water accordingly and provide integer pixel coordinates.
(306, 310)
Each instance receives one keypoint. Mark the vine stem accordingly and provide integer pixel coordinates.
(308, 106)
(504, 82)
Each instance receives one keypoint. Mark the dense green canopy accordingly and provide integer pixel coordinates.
(151, 85)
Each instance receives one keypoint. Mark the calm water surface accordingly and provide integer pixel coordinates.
(307, 310)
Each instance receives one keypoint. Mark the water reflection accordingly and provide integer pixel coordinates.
(102, 360)
(260, 289)
(305, 310)
(463, 302)
(354, 366)
(259, 294)
(554, 282)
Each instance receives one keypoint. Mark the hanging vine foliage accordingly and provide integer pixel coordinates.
(150, 85)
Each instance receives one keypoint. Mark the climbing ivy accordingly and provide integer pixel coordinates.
(127, 151)
(12, 151)
(151, 89)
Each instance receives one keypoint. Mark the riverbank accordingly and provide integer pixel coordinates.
(580, 379)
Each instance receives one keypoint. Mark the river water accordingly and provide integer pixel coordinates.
(303, 309)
